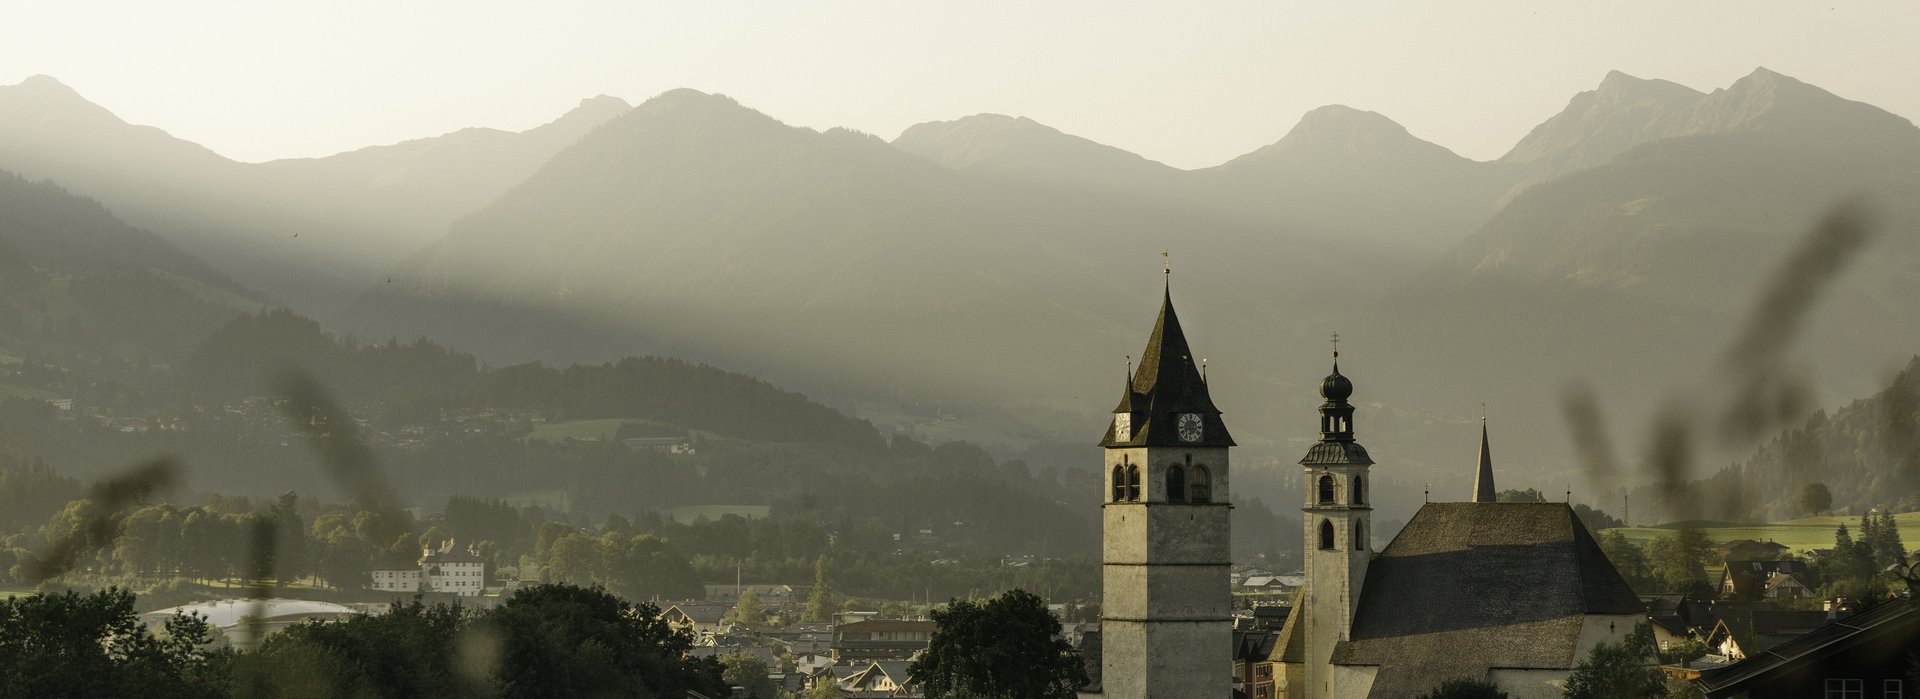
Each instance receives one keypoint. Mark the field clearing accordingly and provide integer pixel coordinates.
(690, 513)
(1799, 534)
(10, 391)
(601, 429)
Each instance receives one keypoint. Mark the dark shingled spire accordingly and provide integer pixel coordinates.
(1483, 481)
(1166, 385)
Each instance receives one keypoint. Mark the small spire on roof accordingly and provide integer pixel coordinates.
(1483, 490)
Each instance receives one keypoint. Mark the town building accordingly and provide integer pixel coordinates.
(449, 569)
(1866, 655)
(880, 639)
(1166, 623)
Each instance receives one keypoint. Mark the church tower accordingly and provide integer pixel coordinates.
(1166, 625)
(1338, 526)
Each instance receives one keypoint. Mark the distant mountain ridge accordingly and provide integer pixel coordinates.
(79, 286)
(310, 231)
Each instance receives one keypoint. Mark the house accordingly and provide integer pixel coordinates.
(880, 639)
(770, 595)
(1747, 579)
(1867, 655)
(1271, 584)
(1748, 628)
(886, 678)
(1253, 662)
(1786, 586)
(702, 619)
(453, 569)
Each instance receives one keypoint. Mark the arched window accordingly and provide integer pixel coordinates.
(1119, 484)
(1326, 534)
(1359, 535)
(1326, 490)
(1200, 485)
(1176, 484)
(1133, 483)
(1359, 491)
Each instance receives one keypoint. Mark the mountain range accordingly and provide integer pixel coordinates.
(310, 232)
(996, 270)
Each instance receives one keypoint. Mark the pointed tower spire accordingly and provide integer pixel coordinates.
(1167, 388)
(1483, 480)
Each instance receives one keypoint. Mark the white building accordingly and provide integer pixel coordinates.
(450, 569)
(397, 580)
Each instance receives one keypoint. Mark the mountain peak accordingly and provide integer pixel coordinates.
(1339, 133)
(1767, 101)
(1023, 146)
(45, 83)
(1598, 124)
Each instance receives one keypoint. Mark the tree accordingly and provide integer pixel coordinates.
(821, 603)
(1815, 499)
(409, 651)
(68, 644)
(1464, 689)
(1628, 559)
(1624, 670)
(1679, 560)
(565, 640)
(749, 671)
(824, 689)
(1007, 646)
(747, 611)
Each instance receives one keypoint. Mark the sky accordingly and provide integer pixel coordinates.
(1191, 84)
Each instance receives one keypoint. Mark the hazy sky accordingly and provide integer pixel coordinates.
(1190, 83)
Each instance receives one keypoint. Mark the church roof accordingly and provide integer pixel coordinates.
(1469, 586)
(1167, 384)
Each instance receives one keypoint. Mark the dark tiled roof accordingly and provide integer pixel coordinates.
(1167, 384)
(1750, 577)
(1090, 659)
(1882, 624)
(1331, 453)
(1470, 586)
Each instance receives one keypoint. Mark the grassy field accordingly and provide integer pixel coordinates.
(1798, 534)
(7, 391)
(692, 512)
(602, 429)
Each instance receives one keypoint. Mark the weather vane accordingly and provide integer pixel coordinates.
(1166, 263)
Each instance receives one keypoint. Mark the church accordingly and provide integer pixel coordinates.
(1509, 593)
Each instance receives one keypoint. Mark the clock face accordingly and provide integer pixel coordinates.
(1189, 427)
(1122, 426)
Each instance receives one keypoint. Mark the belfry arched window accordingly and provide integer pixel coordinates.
(1326, 534)
(1326, 490)
(1359, 491)
(1133, 483)
(1119, 484)
(1359, 534)
(1176, 484)
(1200, 485)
